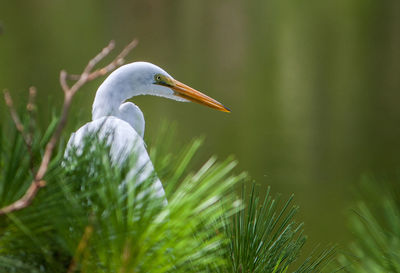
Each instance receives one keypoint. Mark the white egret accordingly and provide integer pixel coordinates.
(121, 123)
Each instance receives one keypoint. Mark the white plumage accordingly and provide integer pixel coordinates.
(121, 124)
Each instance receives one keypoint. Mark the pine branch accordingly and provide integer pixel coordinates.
(86, 76)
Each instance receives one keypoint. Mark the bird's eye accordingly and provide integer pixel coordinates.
(161, 80)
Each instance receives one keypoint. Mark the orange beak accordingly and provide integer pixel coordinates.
(186, 92)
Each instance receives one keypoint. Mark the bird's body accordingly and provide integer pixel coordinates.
(122, 123)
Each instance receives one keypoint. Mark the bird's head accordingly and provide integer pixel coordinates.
(159, 83)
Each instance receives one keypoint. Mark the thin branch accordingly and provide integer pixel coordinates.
(118, 61)
(92, 63)
(27, 136)
(30, 107)
(31, 101)
(86, 76)
(13, 112)
(73, 77)
(63, 80)
(26, 200)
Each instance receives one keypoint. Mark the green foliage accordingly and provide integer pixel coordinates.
(90, 216)
(265, 238)
(93, 217)
(375, 224)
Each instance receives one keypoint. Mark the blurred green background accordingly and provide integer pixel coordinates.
(314, 86)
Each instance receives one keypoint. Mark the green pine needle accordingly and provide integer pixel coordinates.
(376, 225)
(265, 238)
(93, 217)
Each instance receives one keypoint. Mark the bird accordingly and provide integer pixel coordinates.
(121, 124)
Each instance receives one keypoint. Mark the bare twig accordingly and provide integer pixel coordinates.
(86, 76)
(31, 101)
(73, 77)
(30, 107)
(27, 136)
(118, 61)
(13, 112)
(63, 80)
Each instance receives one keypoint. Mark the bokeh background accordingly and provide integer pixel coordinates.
(314, 86)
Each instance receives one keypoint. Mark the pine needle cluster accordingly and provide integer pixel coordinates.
(264, 237)
(375, 223)
(93, 217)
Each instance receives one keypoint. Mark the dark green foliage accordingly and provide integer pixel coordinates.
(269, 236)
(265, 238)
(93, 217)
(88, 197)
(375, 224)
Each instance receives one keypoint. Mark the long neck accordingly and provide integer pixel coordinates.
(117, 88)
(126, 82)
(106, 103)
